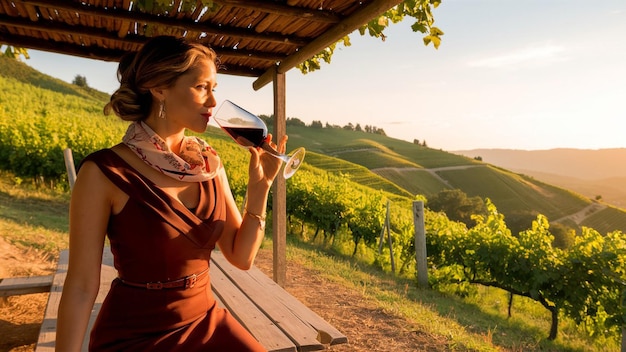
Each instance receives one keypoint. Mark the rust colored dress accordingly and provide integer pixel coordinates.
(155, 238)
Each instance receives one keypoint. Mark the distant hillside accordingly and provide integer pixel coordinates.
(15, 69)
(591, 173)
(583, 164)
(611, 190)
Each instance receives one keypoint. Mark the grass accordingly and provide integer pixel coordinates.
(32, 216)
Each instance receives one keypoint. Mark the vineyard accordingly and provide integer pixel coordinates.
(336, 200)
(415, 181)
(605, 220)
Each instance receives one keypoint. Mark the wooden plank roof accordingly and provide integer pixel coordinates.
(252, 37)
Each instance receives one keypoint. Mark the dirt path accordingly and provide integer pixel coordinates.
(582, 214)
(21, 316)
(367, 327)
(432, 171)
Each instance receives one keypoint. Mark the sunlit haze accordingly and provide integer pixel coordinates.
(536, 74)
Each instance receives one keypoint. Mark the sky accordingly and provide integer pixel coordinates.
(509, 74)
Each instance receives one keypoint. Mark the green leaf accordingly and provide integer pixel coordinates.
(418, 27)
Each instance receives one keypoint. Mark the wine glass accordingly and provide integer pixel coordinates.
(248, 130)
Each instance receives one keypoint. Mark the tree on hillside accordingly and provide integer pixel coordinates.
(458, 206)
(294, 121)
(375, 130)
(379, 131)
(268, 119)
(316, 124)
(80, 81)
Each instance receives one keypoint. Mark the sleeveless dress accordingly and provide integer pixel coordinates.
(155, 238)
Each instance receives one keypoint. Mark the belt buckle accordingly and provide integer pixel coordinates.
(154, 285)
(190, 281)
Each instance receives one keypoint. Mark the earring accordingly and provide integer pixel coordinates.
(162, 110)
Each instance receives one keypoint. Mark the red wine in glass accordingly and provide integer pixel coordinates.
(247, 136)
(248, 130)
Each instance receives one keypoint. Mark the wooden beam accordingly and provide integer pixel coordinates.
(279, 205)
(329, 37)
(183, 24)
(283, 10)
(51, 27)
(98, 53)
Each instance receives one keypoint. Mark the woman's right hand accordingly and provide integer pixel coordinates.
(264, 167)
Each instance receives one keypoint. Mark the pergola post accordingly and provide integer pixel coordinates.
(279, 205)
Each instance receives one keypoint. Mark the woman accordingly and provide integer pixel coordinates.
(164, 202)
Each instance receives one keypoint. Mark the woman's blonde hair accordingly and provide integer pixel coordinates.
(158, 64)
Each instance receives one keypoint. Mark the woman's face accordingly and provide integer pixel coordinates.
(189, 103)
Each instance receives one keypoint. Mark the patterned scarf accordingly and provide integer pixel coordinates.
(197, 161)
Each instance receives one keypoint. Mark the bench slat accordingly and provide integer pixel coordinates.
(308, 329)
(240, 306)
(14, 286)
(47, 332)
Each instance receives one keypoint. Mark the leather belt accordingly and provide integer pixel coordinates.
(183, 283)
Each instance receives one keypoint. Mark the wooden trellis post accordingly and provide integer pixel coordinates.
(69, 167)
(420, 244)
(389, 240)
(279, 204)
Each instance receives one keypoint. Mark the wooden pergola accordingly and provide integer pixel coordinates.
(254, 38)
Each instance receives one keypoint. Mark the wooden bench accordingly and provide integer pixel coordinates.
(274, 317)
(14, 286)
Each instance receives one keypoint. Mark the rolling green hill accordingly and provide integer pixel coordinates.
(19, 71)
(397, 167)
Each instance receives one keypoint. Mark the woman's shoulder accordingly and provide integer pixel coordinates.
(99, 155)
(103, 158)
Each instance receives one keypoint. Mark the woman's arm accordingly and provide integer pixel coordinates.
(242, 237)
(90, 208)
